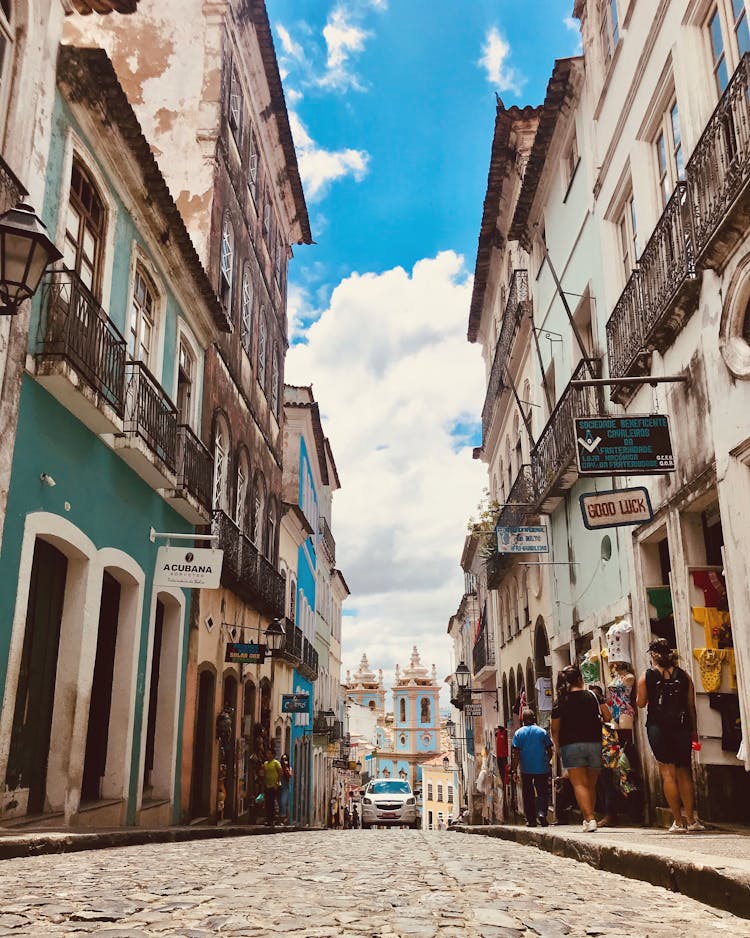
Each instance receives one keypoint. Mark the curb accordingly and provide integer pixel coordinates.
(704, 883)
(34, 845)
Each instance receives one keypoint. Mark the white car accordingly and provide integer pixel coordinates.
(388, 801)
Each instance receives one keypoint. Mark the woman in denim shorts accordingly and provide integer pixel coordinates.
(577, 733)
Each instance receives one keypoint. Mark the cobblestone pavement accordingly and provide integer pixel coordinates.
(347, 884)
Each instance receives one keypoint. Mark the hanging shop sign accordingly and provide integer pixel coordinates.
(473, 710)
(623, 445)
(615, 508)
(340, 763)
(295, 703)
(531, 539)
(189, 567)
(240, 653)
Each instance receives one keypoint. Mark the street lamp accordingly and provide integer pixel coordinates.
(275, 635)
(451, 727)
(25, 253)
(446, 763)
(330, 718)
(463, 677)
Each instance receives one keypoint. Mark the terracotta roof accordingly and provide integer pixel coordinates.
(259, 17)
(89, 76)
(559, 88)
(105, 6)
(502, 159)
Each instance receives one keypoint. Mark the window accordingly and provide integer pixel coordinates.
(279, 260)
(246, 311)
(669, 156)
(6, 54)
(142, 309)
(570, 162)
(235, 105)
(275, 384)
(185, 381)
(241, 502)
(267, 216)
(429, 791)
(252, 166)
(221, 467)
(439, 792)
(271, 531)
(609, 29)
(84, 229)
(450, 793)
(424, 715)
(402, 710)
(292, 599)
(729, 38)
(259, 512)
(628, 233)
(227, 263)
(262, 347)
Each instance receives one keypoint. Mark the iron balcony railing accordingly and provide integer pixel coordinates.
(195, 466)
(647, 311)
(483, 653)
(291, 647)
(245, 571)
(11, 190)
(515, 306)
(309, 663)
(521, 499)
(77, 330)
(150, 414)
(718, 170)
(555, 449)
(329, 544)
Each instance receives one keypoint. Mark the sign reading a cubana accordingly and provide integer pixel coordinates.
(189, 568)
(636, 445)
(239, 653)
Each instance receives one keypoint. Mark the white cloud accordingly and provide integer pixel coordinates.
(343, 39)
(495, 52)
(392, 372)
(574, 26)
(319, 167)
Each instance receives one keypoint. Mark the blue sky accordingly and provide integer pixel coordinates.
(392, 106)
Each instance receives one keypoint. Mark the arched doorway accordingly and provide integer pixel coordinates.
(229, 704)
(511, 694)
(200, 782)
(530, 688)
(265, 707)
(506, 705)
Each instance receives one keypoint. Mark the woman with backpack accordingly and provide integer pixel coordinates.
(667, 693)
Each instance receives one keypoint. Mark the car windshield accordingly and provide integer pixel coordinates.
(390, 787)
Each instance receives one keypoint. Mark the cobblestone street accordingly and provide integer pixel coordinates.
(395, 883)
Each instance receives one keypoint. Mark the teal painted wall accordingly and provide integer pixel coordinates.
(108, 502)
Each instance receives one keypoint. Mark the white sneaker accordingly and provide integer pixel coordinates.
(696, 826)
(585, 827)
(677, 829)
(590, 826)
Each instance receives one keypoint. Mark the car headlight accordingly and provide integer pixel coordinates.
(367, 801)
(411, 800)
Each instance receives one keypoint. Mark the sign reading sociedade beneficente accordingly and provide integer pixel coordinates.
(636, 445)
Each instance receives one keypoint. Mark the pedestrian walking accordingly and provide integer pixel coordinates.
(577, 732)
(530, 752)
(667, 693)
(355, 817)
(347, 818)
(272, 773)
(286, 775)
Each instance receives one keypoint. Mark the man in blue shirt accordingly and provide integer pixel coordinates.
(532, 748)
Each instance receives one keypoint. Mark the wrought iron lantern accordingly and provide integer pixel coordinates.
(463, 677)
(25, 253)
(275, 635)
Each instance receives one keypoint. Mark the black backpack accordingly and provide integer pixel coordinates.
(670, 698)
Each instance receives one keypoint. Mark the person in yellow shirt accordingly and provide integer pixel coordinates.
(272, 773)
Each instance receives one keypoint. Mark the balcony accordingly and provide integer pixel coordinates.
(515, 309)
(148, 443)
(246, 572)
(659, 296)
(519, 505)
(80, 355)
(308, 666)
(194, 490)
(553, 459)
(11, 190)
(327, 540)
(483, 654)
(718, 173)
(291, 647)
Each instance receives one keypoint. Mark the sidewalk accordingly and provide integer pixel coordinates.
(711, 866)
(31, 843)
